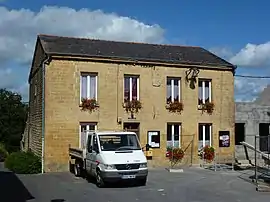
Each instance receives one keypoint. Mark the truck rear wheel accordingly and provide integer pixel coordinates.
(77, 169)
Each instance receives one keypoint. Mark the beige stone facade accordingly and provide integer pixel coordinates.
(63, 114)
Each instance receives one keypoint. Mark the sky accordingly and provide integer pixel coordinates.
(234, 31)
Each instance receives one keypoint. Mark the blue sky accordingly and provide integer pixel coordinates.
(224, 27)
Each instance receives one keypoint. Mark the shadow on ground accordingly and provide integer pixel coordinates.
(12, 189)
(119, 184)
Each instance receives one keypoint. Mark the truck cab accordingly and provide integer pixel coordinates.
(115, 156)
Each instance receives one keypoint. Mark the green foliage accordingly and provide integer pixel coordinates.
(3, 152)
(13, 114)
(23, 163)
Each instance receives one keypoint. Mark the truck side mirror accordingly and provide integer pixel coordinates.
(147, 147)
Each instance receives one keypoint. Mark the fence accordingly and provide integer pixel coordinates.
(262, 163)
(216, 159)
(181, 155)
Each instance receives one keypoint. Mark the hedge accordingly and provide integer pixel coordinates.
(3, 152)
(23, 163)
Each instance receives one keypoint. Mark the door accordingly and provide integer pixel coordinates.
(133, 127)
(264, 137)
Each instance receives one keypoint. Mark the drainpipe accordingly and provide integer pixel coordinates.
(44, 62)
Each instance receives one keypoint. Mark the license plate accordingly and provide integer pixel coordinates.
(128, 176)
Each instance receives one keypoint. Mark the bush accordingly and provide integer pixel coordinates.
(23, 163)
(3, 152)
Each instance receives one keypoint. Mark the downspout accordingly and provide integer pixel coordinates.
(44, 62)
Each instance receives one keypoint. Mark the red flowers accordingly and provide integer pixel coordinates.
(175, 107)
(132, 106)
(89, 104)
(208, 107)
(207, 153)
(175, 155)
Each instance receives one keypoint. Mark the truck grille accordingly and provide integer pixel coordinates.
(127, 166)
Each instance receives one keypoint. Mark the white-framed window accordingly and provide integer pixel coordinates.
(84, 129)
(173, 134)
(205, 91)
(88, 86)
(173, 89)
(131, 88)
(205, 135)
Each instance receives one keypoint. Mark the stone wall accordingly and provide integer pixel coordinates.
(251, 114)
(63, 114)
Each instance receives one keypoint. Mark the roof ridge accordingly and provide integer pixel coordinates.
(130, 42)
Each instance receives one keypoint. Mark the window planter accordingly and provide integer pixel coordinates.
(132, 106)
(89, 105)
(175, 107)
(208, 107)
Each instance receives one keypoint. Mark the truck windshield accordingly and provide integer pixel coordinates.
(118, 142)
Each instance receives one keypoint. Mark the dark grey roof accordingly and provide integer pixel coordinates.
(128, 50)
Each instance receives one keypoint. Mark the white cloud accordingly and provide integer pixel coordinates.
(247, 89)
(19, 28)
(223, 52)
(253, 55)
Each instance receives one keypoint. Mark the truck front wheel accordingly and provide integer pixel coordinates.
(100, 182)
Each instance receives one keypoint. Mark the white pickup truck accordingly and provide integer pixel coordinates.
(110, 157)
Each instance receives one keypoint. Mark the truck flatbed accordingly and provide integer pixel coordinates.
(76, 153)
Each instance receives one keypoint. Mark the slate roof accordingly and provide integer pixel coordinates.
(58, 45)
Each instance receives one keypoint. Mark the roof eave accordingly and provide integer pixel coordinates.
(142, 60)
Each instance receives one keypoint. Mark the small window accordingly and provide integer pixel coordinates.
(88, 86)
(239, 133)
(205, 91)
(173, 135)
(131, 88)
(205, 135)
(173, 89)
(154, 139)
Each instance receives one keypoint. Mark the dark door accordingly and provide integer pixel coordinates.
(239, 133)
(133, 127)
(264, 137)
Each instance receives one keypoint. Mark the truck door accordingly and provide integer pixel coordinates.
(88, 153)
(93, 157)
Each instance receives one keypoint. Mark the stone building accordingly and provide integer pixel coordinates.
(66, 70)
(252, 119)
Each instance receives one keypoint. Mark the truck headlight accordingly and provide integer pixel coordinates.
(143, 165)
(109, 166)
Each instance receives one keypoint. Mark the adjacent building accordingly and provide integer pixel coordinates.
(169, 95)
(253, 119)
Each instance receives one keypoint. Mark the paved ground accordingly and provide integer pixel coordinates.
(193, 185)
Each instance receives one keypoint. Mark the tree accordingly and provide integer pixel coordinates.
(13, 115)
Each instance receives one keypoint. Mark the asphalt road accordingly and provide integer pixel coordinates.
(193, 185)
